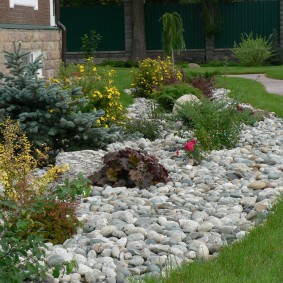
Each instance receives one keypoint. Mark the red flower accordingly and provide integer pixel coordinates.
(177, 152)
(190, 146)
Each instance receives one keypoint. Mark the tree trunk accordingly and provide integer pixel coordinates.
(139, 45)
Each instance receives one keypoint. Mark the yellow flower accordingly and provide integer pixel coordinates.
(82, 68)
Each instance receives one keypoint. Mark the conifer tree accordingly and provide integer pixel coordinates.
(46, 112)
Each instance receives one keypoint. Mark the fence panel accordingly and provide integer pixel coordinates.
(108, 21)
(260, 17)
(191, 16)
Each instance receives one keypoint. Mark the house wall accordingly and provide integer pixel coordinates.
(49, 42)
(25, 15)
(31, 27)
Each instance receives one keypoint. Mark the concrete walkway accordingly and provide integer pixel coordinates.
(271, 85)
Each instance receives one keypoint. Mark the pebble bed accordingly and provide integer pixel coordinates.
(138, 232)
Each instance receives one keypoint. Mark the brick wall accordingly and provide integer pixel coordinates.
(25, 15)
(48, 41)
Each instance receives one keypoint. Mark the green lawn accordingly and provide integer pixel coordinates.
(252, 92)
(123, 80)
(275, 72)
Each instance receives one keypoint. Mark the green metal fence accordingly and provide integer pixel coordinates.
(107, 21)
(190, 14)
(260, 17)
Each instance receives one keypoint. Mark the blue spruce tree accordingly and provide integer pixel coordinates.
(47, 113)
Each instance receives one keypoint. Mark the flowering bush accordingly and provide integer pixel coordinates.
(155, 72)
(98, 88)
(193, 150)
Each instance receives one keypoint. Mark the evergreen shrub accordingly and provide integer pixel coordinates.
(47, 113)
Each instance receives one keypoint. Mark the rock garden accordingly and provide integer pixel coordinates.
(93, 192)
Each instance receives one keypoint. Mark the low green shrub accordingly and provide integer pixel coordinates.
(56, 221)
(32, 211)
(153, 73)
(120, 64)
(47, 113)
(142, 127)
(16, 263)
(130, 168)
(252, 51)
(215, 124)
(168, 94)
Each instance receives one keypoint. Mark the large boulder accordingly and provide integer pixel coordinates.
(187, 98)
(84, 161)
(194, 65)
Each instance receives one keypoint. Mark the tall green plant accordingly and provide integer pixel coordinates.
(90, 42)
(252, 50)
(172, 35)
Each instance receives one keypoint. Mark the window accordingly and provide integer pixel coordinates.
(30, 58)
(52, 14)
(28, 3)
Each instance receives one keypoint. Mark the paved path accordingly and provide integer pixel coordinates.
(271, 85)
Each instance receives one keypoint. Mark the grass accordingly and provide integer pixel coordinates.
(252, 92)
(274, 72)
(123, 81)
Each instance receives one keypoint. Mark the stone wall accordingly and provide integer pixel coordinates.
(48, 41)
(191, 56)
